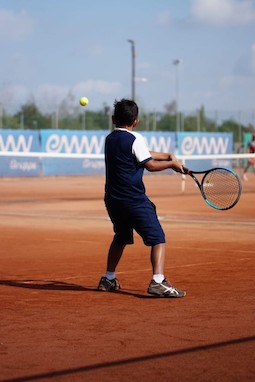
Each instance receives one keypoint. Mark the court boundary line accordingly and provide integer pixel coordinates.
(167, 218)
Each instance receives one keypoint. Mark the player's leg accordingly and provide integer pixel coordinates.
(109, 282)
(147, 225)
(159, 286)
(123, 235)
(114, 256)
(149, 228)
(158, 258)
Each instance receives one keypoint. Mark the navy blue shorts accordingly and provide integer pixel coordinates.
(140, 216)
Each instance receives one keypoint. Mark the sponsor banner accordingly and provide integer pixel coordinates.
(72, 166)
(92, 142)
(89, 142)
(23, 141)
(70, 142)
(160, 141)
(205, 144)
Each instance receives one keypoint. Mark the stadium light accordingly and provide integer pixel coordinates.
(133, 68)
(177, 62)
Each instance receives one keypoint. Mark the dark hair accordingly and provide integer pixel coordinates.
(125, 112)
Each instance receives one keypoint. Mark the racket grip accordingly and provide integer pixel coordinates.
(186, 170)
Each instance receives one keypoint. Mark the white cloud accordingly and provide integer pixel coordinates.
(223, 12)
(48, 96)
(14, 26)
(96, 86)
(163, 19)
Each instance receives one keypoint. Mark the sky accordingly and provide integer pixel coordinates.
(65, 49)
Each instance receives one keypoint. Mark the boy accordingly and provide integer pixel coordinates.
(126, 156)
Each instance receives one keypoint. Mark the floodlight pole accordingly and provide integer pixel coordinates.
(133, 68)
(1, 115)
(177, 62)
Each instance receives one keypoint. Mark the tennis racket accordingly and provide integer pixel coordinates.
(220, 187)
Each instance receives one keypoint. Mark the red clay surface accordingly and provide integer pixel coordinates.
(55, 326)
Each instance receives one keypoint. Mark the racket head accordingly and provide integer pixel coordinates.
(221, 188)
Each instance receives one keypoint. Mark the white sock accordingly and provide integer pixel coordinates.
(158, 278)
(110, 275)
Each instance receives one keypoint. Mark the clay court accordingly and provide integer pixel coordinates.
(55, 325)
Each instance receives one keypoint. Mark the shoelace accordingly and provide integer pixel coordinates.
(170, 289)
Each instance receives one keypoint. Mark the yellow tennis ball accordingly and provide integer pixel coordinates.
(84, 101)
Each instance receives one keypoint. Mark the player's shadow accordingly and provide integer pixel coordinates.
(63, 286)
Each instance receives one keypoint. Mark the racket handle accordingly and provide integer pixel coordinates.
(186, 170)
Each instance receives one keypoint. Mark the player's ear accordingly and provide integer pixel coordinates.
(136, 121)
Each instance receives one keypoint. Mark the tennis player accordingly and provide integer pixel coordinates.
(251, 161)
(126, 157)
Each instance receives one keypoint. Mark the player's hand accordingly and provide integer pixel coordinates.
(173, 158)
(177, 166)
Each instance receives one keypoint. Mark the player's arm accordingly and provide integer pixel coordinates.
(154, 161)
(162, 161)
(163, 156)
(163, 164)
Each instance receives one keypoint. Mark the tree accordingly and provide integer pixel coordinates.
(10, 122)
(171, 107)
(230, 126)
(29, 117)
(167, 122)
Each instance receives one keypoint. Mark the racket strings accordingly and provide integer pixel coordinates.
(221, 188)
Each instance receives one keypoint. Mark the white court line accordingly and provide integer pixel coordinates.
(173, 247)
(180, 266)
(172, 267)
(175, 219)
(73, 241)
(149, 269)
(167, 218)
(213, 249)
(48, 216)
